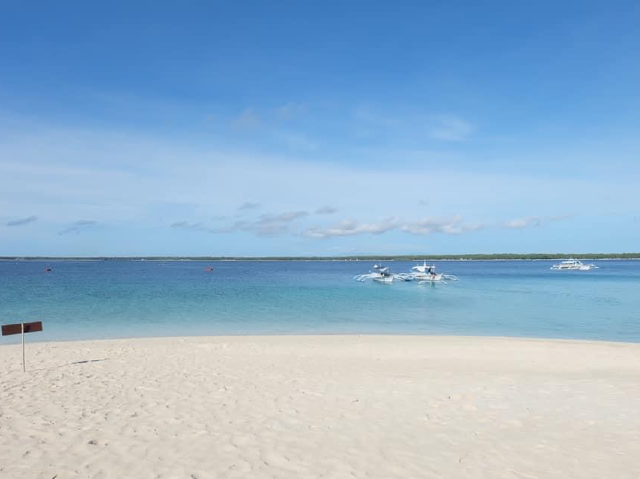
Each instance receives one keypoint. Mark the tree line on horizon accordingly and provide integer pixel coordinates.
(476, 256)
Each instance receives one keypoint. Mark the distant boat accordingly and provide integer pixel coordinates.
(573, 265)
(421, 274)
(48, 270)
(379, 274)
(424, 273)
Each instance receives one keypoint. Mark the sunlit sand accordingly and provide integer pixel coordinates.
(321, 406)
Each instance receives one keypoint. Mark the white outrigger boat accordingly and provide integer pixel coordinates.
(573, 265)
(421, 273)
(380, 274)
(424, 273)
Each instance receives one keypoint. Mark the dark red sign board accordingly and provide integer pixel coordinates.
(8, 329)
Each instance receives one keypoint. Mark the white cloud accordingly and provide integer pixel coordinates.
(532, 221)
(352, 228)
(522, 223)
(425, 226)
(270, 225)
(125, 180)
(452, 226)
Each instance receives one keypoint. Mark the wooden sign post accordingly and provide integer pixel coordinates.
(21, 328)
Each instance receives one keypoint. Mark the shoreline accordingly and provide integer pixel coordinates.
(387, 336)
(312, 336)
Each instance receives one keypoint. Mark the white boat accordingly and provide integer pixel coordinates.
(380, 274)
(420, 273)
(424, 273)
(573, 265)
(383, 279)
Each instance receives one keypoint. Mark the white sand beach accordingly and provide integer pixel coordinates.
(321, 407)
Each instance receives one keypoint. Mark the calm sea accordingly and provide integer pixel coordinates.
(112, 299)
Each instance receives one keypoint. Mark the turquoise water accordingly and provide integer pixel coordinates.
(111, 299)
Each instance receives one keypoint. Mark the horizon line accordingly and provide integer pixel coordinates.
(471, 256)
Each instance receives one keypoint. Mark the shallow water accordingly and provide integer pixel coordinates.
(110, 299)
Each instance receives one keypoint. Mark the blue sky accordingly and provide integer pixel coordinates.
(202, 128)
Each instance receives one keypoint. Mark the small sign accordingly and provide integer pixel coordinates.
(9, 329)
(21, 328)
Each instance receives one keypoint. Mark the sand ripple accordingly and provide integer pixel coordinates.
(321, 407)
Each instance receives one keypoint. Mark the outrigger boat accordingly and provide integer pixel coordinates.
(424, 273)
(573, 265)
(380, 273)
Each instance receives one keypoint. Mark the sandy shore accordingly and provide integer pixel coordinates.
(321, 406)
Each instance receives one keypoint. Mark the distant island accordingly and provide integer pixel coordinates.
(429, 257)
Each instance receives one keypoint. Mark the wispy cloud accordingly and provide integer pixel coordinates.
(326, 210)
(532, 221)
(297, 141)
(425, 226)
(367, 115)
(352, 228)
(450, 128)
(246, 120)
(186, 225)
(518, 223)
(265, 225)
(291, 110)
(77, 227)
(116, 187)
(277, 224)
(22, 221)
(452, 226)
(248, 205)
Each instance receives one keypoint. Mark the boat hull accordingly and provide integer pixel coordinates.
(384, 279)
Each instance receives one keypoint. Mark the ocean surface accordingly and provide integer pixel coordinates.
(114, 299)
